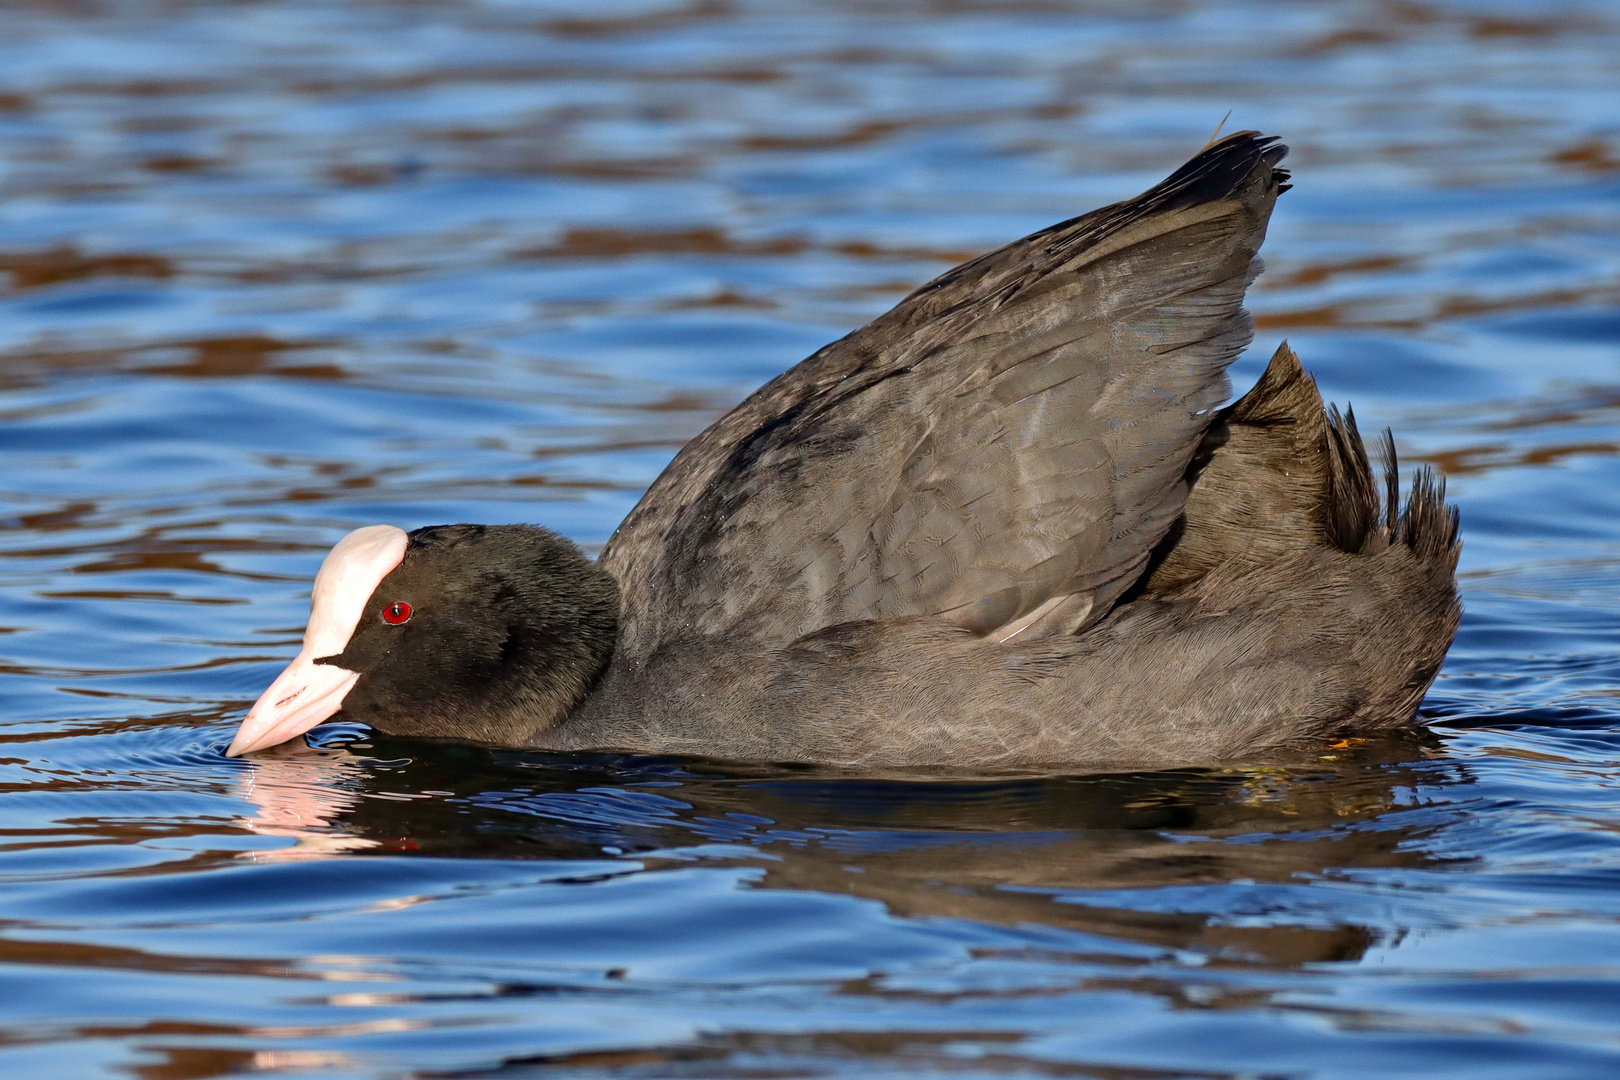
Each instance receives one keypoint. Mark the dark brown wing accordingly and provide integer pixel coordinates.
(1004, 448)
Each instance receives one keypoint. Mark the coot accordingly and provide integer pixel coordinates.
(1005, 523)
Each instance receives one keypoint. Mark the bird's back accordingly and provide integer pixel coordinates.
(1292, 604)
(1007, 524)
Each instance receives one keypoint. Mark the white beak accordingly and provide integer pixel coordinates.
(301, 697)
(307, 692)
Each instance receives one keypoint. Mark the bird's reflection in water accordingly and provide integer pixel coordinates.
(304, 792)
(1086, 853)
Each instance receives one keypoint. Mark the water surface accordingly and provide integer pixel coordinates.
(269, 271)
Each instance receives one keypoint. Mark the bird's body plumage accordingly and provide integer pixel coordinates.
(1008, 523)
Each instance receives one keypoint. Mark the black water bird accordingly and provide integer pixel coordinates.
(1007, 522)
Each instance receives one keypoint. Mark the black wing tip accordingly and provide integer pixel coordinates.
(1225, 167)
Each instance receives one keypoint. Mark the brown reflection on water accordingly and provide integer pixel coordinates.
(248, 354)
(1590, 155)
(617, 243)
(1568, 411)
(72, 515)
(1396, 312)
(197, 358)
(614, 243)
(202, 1062)
(109, 957)
(668, 19)
(1396, 20)
(162, 553)
(1462, 460)
(1281, 275)
(36, 269)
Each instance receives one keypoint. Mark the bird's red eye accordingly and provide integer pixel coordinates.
(397, 612)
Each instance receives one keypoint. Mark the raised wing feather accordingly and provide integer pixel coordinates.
(1004, 448)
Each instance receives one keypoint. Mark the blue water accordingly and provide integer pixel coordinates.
(271, 270)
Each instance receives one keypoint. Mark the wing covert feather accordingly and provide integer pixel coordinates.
(1004, 448)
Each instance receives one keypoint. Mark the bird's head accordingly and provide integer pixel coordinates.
(482, 632)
